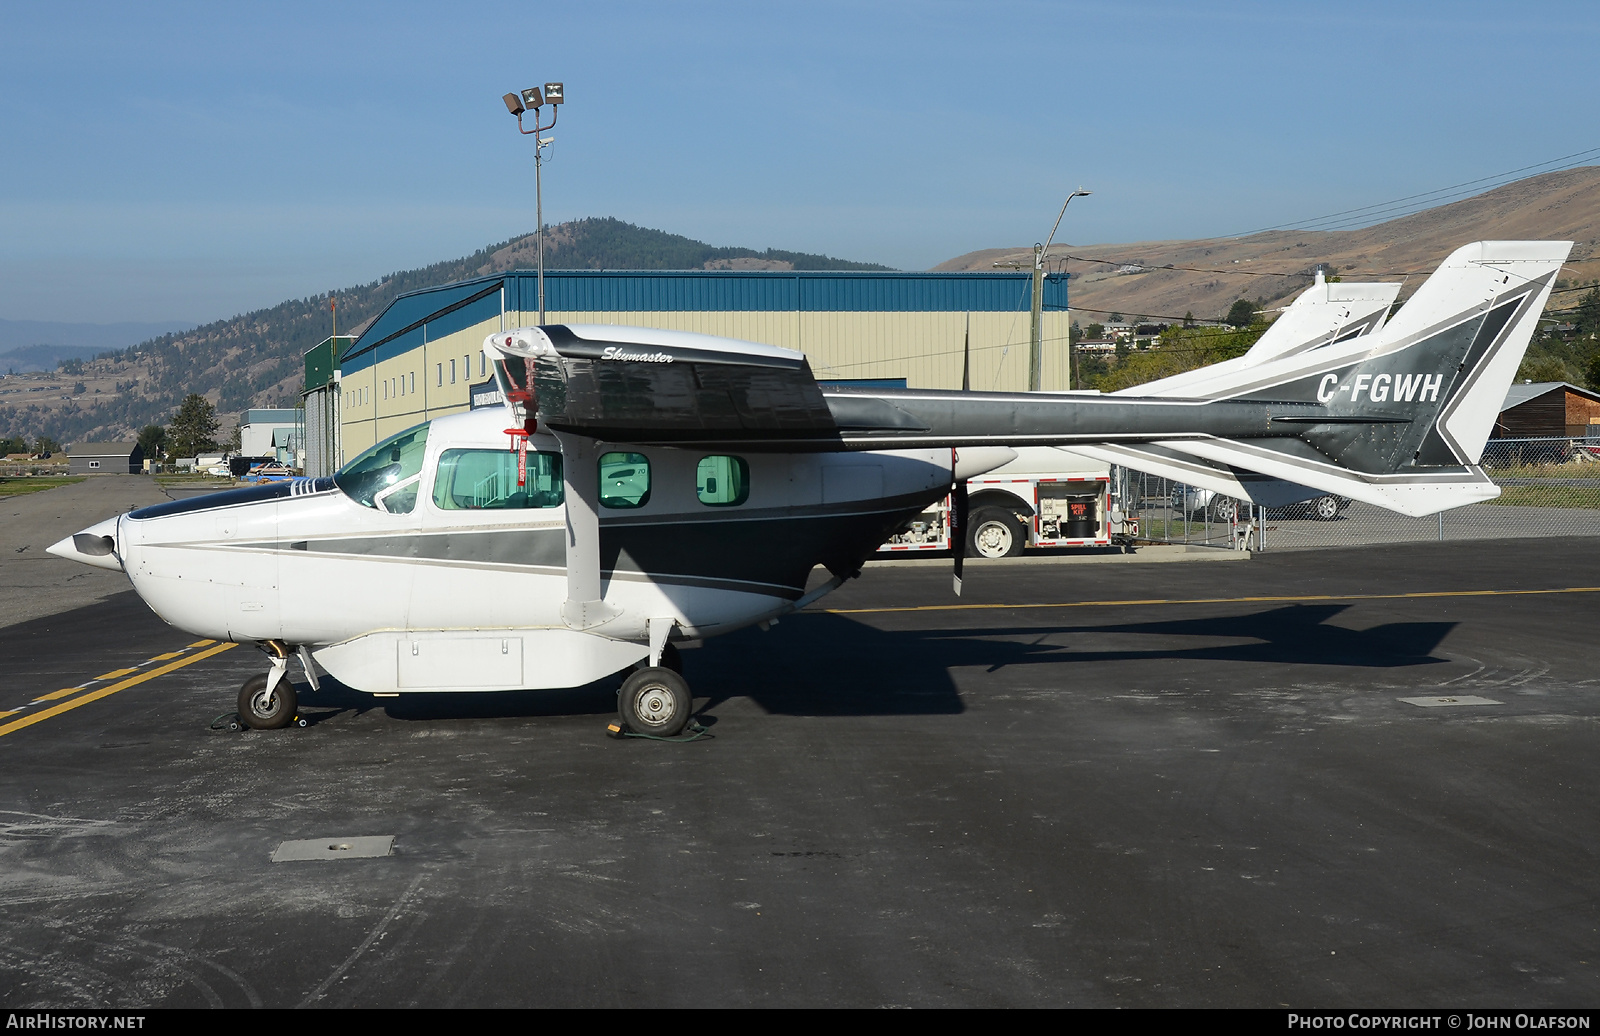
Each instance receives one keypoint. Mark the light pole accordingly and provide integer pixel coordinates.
(1036, 330)
(531, 99)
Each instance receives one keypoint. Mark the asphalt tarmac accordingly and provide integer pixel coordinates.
(1098, 785)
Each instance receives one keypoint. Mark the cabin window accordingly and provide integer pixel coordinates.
(722, 481)
(482, 480)
(385, 477)
(624, 480)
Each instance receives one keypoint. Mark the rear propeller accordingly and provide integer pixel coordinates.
(958, 527)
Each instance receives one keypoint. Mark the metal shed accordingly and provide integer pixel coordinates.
(105, 458)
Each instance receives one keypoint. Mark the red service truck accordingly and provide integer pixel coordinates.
(1047, 497)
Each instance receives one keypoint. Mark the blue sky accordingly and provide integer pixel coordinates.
(192, 161)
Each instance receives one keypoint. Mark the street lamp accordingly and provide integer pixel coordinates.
(531, 100)
(1035, 339)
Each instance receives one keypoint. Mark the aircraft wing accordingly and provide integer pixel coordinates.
(1396, 417)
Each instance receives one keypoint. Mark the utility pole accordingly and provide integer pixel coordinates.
(1036, 324)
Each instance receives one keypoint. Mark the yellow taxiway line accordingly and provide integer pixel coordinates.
(104, 692)
(1296, 598)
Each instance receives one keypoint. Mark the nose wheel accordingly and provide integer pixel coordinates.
(268, 701)
(267, 708)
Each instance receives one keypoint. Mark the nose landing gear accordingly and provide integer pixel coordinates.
(268, 701)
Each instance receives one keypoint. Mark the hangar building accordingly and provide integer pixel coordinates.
(422, 355)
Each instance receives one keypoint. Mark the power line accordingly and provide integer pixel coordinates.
(1367, 212)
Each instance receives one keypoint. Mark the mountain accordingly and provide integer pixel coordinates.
(1272, 267)
(92, 337)
(256, 359)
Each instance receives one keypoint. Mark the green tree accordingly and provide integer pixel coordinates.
(1241, 314)
(1188, 318)
(44, 444)
(1095, 332)
(192, 428)
(1588, 319)
(1543, 368)
(153, 440)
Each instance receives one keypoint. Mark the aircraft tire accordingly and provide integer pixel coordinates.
(655, 701)
(253, 707)
(995, 533)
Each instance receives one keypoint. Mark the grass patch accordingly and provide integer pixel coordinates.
(1550, 496)
(192, 480)
(1156, 529)
(24, 484)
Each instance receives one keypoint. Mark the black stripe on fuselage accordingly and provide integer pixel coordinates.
(763, 553)
(230, 498)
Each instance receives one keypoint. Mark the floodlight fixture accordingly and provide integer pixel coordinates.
(519, 105)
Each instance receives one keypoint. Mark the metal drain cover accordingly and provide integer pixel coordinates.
(1452, 700)
(363, 847)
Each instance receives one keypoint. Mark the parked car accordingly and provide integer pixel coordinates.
(1195, 503)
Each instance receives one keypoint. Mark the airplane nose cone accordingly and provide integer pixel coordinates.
(96, 545)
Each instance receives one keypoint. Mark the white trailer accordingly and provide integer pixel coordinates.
(1045, 498)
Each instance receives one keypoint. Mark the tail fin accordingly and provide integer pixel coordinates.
(1399, 417)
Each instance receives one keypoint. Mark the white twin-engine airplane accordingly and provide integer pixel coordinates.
(647, 488)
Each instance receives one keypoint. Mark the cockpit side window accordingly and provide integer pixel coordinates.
(624, 480)
(385, 477)
(480, 480)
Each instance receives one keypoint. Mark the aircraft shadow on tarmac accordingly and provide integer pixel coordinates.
(822, 664)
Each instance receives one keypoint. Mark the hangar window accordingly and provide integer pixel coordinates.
(385, 477)
(452, 372)
(722, 481)
(624, 479)
(481, 480)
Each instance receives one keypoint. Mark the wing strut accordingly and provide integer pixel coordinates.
(580, 474)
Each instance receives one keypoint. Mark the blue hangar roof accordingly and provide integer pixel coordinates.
(436, 312)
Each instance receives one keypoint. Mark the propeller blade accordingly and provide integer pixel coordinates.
(958, 528)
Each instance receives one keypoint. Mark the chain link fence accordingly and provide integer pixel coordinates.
(1549, 487)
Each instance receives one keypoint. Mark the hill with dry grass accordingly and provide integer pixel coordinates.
(1271, 267)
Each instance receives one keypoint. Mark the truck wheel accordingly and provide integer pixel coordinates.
(996, 533)
(1226, 509)
(1326, 508)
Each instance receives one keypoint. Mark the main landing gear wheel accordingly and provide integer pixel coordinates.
(655, 701)
(261, 712)
(996, 533)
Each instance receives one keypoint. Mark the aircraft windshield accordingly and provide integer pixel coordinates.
(385, 477)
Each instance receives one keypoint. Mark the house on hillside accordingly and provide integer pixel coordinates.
(105, 458)
(1548, 410)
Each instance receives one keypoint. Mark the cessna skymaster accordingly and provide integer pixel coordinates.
(644, 489)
